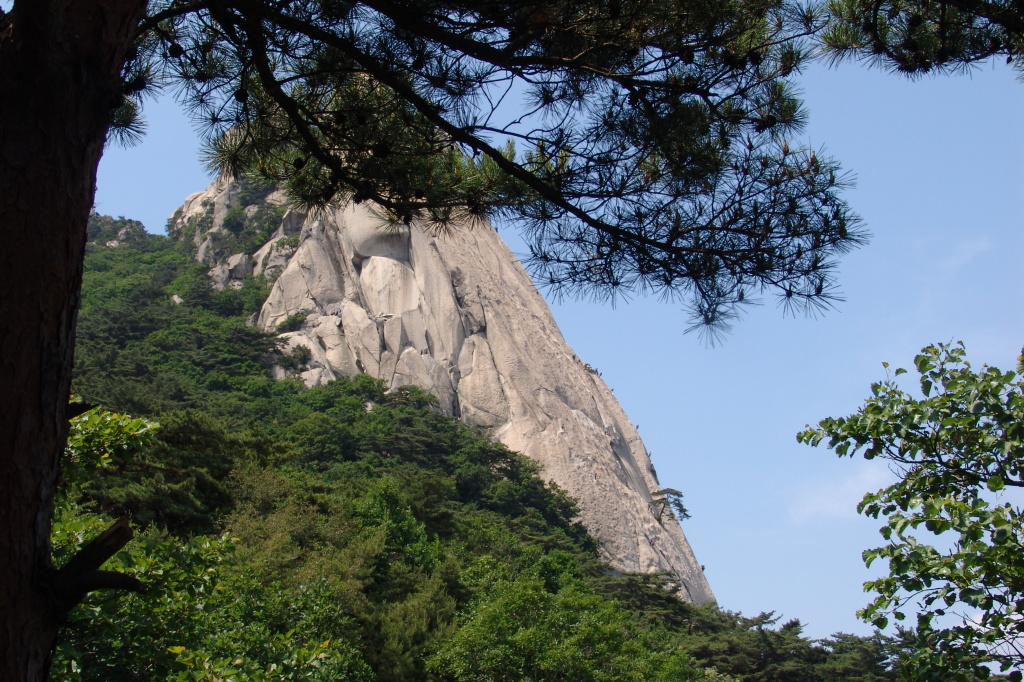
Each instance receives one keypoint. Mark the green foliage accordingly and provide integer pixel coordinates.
(920, 36)
(243, 301)
(956, 449)
(103, 229)
(234, 220)
(664, 160)
(261, 226)
(373, 505)
(755, 649)
(288, 242)
(530, 629)
(297, 359)
(179, 481)
(367, 534)
(138, 352)
(254, 190)
(96, 439)
(196, 226)
(291, 323)
(302, 354)
(200, 619)
(249, 230)
(670, 498)
(758, 649)
(859, 659)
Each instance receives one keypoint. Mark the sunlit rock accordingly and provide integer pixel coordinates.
(460, 317)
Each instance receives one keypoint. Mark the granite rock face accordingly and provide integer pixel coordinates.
(458, 316)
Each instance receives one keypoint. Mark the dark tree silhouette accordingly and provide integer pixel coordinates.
(641, 145)
(921, 36)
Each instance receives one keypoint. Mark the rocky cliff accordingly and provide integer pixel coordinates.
(459, 316)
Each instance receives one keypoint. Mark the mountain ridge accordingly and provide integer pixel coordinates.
(460, 317)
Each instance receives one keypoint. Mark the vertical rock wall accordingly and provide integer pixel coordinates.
(460, 317)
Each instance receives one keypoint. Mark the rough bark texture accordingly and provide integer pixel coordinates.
(60, 66)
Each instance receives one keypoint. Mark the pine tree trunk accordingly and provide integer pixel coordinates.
(60, 64)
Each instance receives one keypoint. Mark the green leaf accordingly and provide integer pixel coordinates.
(972, 596)
(944, 448)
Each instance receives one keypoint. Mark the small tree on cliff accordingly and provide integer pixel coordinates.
(649, 153)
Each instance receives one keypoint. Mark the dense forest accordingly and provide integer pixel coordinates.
(344, 532)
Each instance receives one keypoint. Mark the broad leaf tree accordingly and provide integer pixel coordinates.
(641, 144)
(954, 533)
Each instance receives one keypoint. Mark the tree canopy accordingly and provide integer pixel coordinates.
(346, 532)
(957, 449)
(648, 149)
(640, 147)
(915, 37)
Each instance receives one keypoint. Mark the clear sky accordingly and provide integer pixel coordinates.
(940, 172)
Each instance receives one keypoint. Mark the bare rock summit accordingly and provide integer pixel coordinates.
(460, 317)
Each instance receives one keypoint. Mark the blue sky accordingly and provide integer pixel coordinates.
(940, 171)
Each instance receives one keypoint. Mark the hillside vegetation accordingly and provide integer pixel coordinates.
(344, 532)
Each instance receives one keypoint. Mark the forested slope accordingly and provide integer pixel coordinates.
(343, 532)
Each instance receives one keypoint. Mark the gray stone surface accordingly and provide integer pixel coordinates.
(460, 317)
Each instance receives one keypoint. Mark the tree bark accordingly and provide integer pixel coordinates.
(60, 74)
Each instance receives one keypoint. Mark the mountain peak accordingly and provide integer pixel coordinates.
(458, 316)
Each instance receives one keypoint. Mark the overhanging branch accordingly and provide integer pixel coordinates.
(81, 574)
(429, 111)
